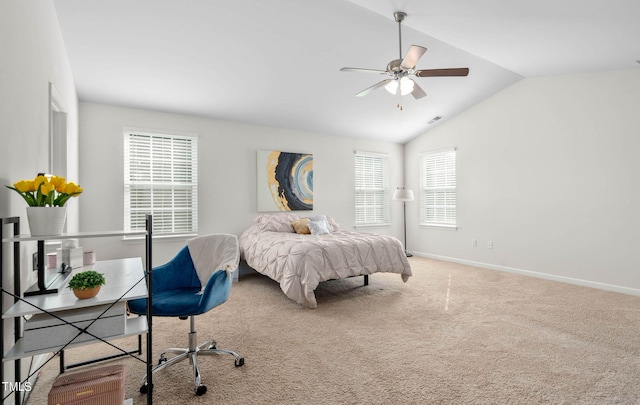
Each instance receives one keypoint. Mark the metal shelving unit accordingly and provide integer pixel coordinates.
(45, 297)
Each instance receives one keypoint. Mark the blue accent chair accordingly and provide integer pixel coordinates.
(176, 291)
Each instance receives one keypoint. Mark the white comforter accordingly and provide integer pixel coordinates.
(300, 262)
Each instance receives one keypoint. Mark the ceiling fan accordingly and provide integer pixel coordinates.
(402, 70)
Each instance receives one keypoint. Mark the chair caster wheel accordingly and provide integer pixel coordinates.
(240, 362)
(162, 360)
(213, 347)
(201, 390)
(144, 389)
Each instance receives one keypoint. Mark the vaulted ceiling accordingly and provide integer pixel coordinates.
(277, 62)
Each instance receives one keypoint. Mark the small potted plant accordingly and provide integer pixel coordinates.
(86, 284)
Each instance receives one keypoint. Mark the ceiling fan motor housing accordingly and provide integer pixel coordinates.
(394, 65)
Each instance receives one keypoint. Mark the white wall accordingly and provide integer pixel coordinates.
(227, 173)
(33, 54)
(548, 171)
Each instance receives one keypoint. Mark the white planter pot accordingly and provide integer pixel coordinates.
(46, 221)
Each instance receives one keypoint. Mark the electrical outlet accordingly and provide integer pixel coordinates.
(490, 244)
(474, 242)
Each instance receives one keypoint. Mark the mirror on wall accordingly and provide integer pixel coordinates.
(57, 134)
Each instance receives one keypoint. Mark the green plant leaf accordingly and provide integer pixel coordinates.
(28, 197)
(86, 279)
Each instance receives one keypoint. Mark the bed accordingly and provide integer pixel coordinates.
(298, 258)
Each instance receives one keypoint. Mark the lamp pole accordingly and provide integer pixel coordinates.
(404, 209)
(404, 195)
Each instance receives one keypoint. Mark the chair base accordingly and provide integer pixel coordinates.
(191, 353)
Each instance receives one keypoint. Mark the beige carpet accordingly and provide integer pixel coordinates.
(452, 334)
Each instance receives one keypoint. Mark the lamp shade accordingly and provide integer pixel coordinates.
(392, 86)
(406, 86)
(402, 194)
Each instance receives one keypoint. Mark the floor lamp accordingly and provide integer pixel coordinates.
(401, 194)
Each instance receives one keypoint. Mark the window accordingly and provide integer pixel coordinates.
(372, 189)
(161, 178)
(438, 188)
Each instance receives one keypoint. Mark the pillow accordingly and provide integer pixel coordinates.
(276, 222)
(331, 225)
(318, 217)
(301, 226)
(319, 227)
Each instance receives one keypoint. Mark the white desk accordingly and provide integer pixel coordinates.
(124, 281)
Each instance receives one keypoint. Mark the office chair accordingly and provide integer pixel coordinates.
(177, 289)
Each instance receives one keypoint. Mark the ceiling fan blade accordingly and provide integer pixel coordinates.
(417, 91)
(372, 88)
(351, 69)
(442, 72)
(414, 53)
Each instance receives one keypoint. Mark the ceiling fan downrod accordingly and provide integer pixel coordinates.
(399, 16)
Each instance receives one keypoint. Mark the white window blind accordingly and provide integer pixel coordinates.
(438, 188)
(161, 178)
(372, 189)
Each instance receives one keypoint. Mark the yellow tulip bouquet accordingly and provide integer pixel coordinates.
(45, 191)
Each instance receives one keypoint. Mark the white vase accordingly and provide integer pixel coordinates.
(46, 221)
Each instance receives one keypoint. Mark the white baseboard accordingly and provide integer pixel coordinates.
(546, 276)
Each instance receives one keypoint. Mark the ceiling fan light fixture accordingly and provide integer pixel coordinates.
(405, 84)
(392, 86)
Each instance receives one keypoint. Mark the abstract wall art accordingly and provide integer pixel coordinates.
(285, 181)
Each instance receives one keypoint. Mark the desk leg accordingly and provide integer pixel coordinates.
(62, 361)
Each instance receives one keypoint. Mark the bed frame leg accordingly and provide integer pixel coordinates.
(366, 279)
